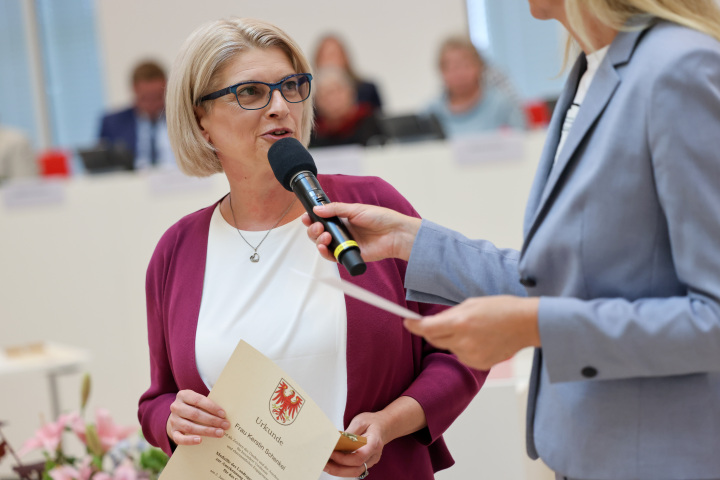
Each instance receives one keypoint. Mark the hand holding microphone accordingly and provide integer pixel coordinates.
(380, 232)
(295, 169)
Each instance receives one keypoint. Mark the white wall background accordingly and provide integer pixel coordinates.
(392, 42)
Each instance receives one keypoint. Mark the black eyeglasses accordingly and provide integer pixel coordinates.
(256, 95)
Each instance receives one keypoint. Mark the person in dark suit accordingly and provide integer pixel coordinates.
(331, 52)
(616, 284)
(141, 128)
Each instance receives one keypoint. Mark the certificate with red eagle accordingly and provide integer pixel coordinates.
(277, 431)
(285, 403)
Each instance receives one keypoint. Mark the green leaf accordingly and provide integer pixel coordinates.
(153, 460)
(49, 465)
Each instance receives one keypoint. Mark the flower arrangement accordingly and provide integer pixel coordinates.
(109, 453)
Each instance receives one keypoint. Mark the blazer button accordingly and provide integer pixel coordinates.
(589, 372)
(528, 281)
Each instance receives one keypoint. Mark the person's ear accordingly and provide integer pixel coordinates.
(201, 118)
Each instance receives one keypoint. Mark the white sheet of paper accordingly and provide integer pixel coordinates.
(364, 295)
(277, 432)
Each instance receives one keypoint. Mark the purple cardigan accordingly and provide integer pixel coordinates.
(384, 361)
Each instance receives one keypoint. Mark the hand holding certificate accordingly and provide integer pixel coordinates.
(277, 432)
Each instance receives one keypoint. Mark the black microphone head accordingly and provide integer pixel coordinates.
(287, 158)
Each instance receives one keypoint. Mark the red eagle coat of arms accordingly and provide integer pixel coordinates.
(285, 403)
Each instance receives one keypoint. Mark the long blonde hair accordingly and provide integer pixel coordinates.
(700, 15)
(195, 74)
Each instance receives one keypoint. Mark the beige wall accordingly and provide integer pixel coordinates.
(392, 42)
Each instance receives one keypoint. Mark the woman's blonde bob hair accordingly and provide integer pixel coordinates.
(195, 73)
(700, 15)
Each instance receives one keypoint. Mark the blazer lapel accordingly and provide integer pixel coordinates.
(601, 90)
(551, 142)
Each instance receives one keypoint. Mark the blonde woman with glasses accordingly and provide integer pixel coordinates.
(225, 273)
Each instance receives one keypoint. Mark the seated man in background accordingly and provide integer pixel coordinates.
(340, 118)
(472, 102)
(17, 158)
(141, 129)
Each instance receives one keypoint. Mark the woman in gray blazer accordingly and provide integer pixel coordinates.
(620, 265)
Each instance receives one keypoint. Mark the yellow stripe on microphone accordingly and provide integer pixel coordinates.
(343, 246)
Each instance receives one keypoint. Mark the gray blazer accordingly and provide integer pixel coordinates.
(622, 242)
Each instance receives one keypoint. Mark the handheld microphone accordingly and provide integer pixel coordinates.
(295, 169)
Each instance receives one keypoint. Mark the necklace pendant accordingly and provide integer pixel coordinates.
(255, 257)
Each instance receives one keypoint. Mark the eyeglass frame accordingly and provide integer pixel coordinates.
(273, 86)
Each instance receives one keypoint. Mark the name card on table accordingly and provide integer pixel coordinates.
(345, 160)
(502, 145)
(33, 193)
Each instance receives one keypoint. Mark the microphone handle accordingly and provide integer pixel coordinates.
(342, 246)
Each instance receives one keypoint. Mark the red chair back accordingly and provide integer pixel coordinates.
(54, 163)
(537, 114)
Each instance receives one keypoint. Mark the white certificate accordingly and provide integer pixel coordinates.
(277, 432)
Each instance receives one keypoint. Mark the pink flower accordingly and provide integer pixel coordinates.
(86, 469)
(109, 433)
(67, 472)
(47, 437)
(64, 472)
(77, 424)
(125, 471)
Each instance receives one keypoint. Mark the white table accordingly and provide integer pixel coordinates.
(52, 359)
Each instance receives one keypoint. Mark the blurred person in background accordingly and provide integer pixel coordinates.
(331, 52)
(141, 128)
(339, 118)
(473, 99)
(17, 157)
(225, 273)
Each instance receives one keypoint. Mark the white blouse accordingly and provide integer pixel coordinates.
(593, 62)
(300, 325)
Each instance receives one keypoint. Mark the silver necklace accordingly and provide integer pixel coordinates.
(255, 257)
